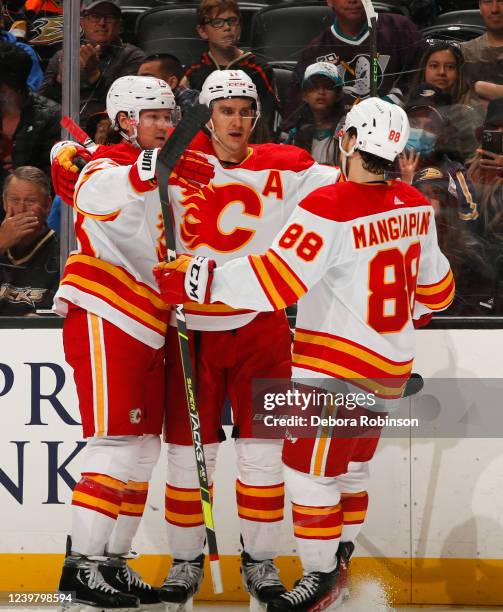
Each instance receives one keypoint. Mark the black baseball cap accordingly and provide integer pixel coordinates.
(430, 97)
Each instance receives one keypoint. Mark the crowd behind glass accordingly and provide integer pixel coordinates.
(452, 91)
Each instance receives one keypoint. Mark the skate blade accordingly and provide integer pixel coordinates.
(256, 605)
(331, 601)
(188, 606)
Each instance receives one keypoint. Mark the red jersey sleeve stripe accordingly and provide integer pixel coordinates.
(284, 270)
(266, 283)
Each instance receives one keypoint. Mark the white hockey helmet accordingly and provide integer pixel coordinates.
(132, 94)
(228, 84)
(382, 128)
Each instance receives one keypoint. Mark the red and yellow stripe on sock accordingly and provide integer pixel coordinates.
(183, 506)
(134, 498)
(264, 504)
(317, 522)
(354, 507)
(100, 493)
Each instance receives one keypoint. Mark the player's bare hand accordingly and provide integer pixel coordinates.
(490, 161)
(16, 227)
(408, 163)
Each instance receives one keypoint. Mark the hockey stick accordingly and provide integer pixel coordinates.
(167, 159)
(192, 121)
(77, 132)
(374, 65)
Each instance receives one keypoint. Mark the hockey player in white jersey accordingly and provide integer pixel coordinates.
(113, 336)
(362, 259)
(253, 192)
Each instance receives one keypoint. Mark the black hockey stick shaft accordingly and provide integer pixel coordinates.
(192, 121)
(374, 64)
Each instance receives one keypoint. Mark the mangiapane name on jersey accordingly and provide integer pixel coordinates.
(392, 228)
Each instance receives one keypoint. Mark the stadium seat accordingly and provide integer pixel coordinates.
(172, 29)
(282, 73)
(470, 17)
(457, 33)
(280, 32)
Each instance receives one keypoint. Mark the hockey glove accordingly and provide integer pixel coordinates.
(186, 279)
(68, 159)
(192, 170)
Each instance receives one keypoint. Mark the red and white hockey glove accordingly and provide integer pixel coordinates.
(192, 170)
(68, 158)
(186, 279)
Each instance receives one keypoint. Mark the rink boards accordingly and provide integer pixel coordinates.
(434, 531)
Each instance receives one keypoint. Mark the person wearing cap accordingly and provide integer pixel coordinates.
(103, 57)
(465, 251)
(426, 112)
(316, 121)
(30, 122)
(346, 44)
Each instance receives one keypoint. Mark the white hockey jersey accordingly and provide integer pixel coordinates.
(363, 261)
(240, 212)
(119, 230)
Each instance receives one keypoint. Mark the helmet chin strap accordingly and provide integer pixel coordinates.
(345, 155)
(132, 138)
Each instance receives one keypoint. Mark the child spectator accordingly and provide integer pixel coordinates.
(424, 148)
(317, 119)
(219, 23)
(469, 264)
(346, 44)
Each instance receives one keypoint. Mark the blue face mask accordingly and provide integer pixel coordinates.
(421, 141)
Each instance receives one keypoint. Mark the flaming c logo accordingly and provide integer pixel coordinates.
(204, 211)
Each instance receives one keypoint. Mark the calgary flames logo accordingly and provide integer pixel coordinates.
(204, 212)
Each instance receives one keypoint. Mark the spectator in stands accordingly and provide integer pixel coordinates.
(484, 55)
(346, 44)
(29, 122)
(103, 58)
(443, 66)
(486, 173)
(319, 116)
(29, 250)
(219, 23)
(425, 110)
(169, 68)
(464, 250)
(36, 75)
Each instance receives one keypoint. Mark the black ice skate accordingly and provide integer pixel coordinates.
(261, 580)
(182, 583)
(82, 577)
(344, 554)
(314, 592)
(119, 575)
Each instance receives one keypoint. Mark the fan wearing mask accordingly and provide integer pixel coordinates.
(425, 149)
